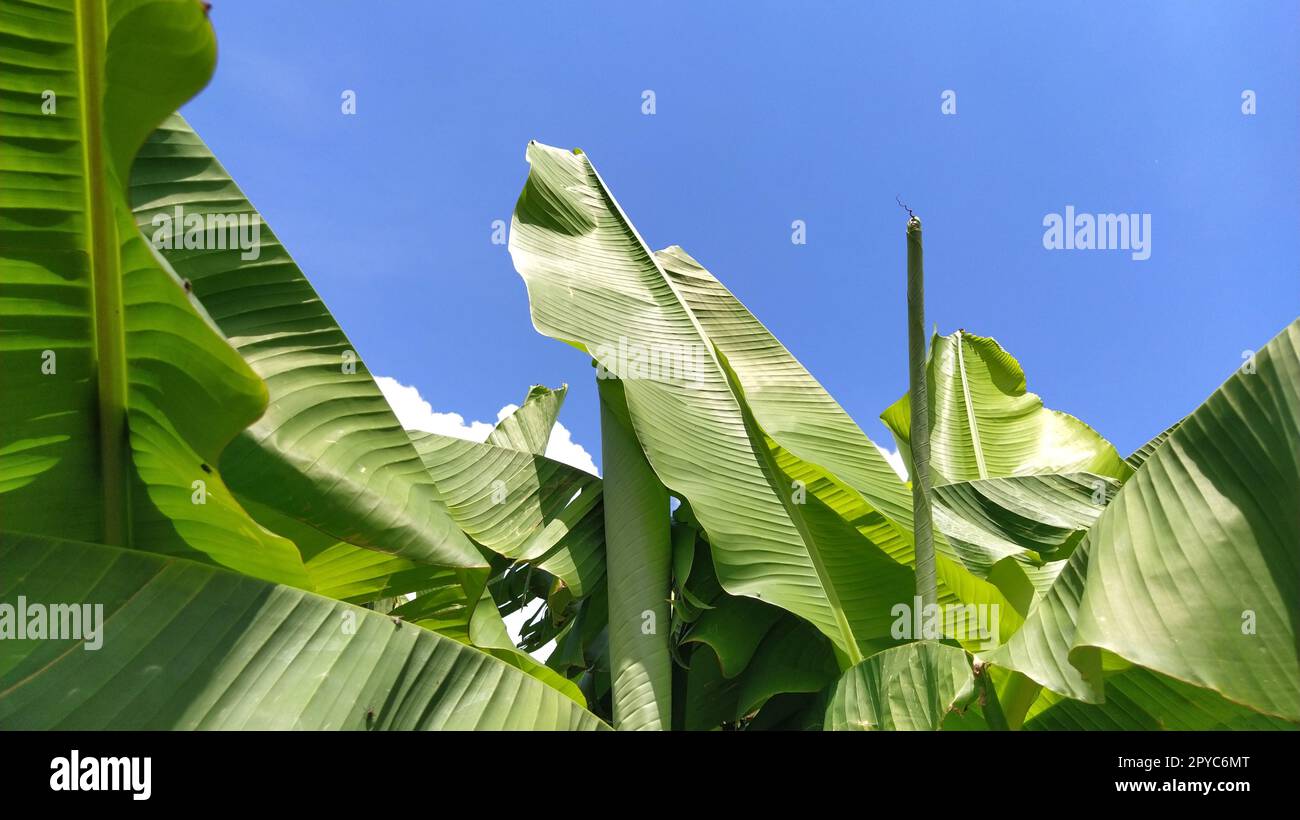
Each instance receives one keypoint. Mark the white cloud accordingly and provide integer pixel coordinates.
(562, 447)
(895, 460)
(415, 413)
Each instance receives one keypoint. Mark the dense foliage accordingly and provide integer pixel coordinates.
(190, 440)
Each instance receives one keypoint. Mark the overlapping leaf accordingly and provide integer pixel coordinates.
(1193, 571)
(328, 451)
(662, 324)
(523, 506)
(188, 646)
(120, 393)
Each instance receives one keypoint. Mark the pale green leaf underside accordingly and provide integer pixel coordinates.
(983, 423)
(593, 283)
(528, 428)
(522, 506)
(1195, 569)
(328, 451)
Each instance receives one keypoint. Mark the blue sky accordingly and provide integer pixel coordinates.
(815, 111)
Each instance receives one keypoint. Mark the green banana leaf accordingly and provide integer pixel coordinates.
(1035, 521)
(189, 646)
(734, 629)
(120, 392)
(1193, 571)
(983, 423)
(578, 557)
(447, 604)
(793, 657)
(1139, 456)
(328, 451)
(526, 508)
(909, 688)
(1035, 516)
(768, 653)
(337, 569)
(1140, 700)
(528, 428)
(710, 698)
(506, 499)
(487, 631)
(1016, 484)
(661, 323)
(957, 584)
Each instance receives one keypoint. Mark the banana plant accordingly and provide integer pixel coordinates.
(192, 443)
(798, 512)
(204, 521)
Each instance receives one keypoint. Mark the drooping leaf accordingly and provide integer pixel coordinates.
(792, 657)
(791, 712)
(710, 696)
(734, 629)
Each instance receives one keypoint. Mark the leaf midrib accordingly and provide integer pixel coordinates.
(970, 409)
(106, 277)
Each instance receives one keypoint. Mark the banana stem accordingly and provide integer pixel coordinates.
(923, 526)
